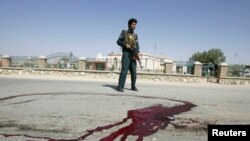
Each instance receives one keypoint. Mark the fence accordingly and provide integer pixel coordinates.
(24, 61)
(62, 61)
(236, 70)
(149, 65)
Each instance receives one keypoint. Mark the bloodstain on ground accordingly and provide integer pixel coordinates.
(145, 122)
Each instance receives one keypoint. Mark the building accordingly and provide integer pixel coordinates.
(98, 63)
(114, 61)
(149, 62)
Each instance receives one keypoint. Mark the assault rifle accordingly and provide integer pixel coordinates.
(135, 56)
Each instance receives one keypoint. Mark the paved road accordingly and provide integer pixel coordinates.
(52, 109)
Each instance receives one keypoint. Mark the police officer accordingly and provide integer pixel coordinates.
(128, 40)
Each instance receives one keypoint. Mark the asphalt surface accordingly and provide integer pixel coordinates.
(40, 109)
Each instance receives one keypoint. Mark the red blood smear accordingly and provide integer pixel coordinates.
(145, 122)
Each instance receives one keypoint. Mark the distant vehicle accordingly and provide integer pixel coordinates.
(247, 73)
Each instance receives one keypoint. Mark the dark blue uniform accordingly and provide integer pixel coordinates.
(128, 63)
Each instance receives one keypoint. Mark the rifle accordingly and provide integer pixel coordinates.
(130, 40)
(135, 56)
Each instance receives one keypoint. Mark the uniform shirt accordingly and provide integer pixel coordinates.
(121, 43)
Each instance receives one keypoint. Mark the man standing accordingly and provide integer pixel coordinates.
(128, 40)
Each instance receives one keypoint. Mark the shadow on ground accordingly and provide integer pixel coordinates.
(110, 86)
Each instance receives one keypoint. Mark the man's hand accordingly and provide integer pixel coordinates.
(128, 46)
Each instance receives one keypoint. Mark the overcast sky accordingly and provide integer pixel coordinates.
(173, 28)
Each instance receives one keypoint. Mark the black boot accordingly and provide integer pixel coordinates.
(120, 89)
(134, 89)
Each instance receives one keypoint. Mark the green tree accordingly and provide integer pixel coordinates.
(214, 56)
